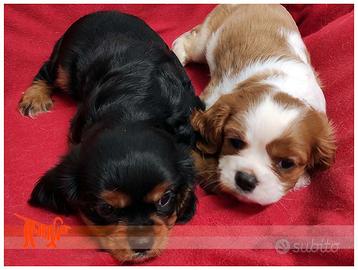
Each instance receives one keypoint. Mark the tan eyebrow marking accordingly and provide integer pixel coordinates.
(116, 198)
(156, 193)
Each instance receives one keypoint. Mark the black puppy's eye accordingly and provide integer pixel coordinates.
(237, 143)
(286, 164)
(105, 209)
(165, 199)
(165, 203)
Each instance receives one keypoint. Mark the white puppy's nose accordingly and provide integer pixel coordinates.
(246, 182)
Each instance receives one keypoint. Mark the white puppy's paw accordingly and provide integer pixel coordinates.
(178, 48)
(302, 182)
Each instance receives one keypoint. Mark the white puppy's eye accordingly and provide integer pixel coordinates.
(237, 143)
(286, 164)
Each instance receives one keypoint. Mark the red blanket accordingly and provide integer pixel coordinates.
(33, 146)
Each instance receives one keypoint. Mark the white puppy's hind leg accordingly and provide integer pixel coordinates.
(191, 46)
(178, 48)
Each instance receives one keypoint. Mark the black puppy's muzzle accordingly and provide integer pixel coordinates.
(140, 238)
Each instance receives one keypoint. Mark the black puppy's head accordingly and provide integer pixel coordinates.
(130, 184)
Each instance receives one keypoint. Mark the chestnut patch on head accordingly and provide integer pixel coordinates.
(116, 198)
(229, 110)
(234, 139)
(157, 192)
(307, 144)
(289, 156)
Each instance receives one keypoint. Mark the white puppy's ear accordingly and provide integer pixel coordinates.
(324, 146)
(209, 125)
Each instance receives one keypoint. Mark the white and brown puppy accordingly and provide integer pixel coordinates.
(265, 125)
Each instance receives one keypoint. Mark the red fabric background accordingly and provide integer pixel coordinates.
(33, 146)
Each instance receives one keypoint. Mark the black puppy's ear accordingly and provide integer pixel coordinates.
(186, 199)
(57, 189)
(186, 205)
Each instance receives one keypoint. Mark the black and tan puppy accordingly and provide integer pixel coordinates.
(129, 168)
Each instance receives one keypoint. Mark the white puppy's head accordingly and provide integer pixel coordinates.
(263, 141)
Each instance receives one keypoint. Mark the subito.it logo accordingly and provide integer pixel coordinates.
(282, 246)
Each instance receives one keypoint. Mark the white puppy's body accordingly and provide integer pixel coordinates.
(294, 76)
(258, 47)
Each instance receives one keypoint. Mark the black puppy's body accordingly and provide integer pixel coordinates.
(118, 67)
(131, 136)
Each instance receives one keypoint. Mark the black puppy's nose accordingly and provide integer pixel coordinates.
(140, 244)
(247, 182)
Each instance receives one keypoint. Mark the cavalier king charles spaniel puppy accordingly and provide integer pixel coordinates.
(129, 172)
(265, 125)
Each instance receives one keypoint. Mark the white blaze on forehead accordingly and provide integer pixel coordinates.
(267, 121)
